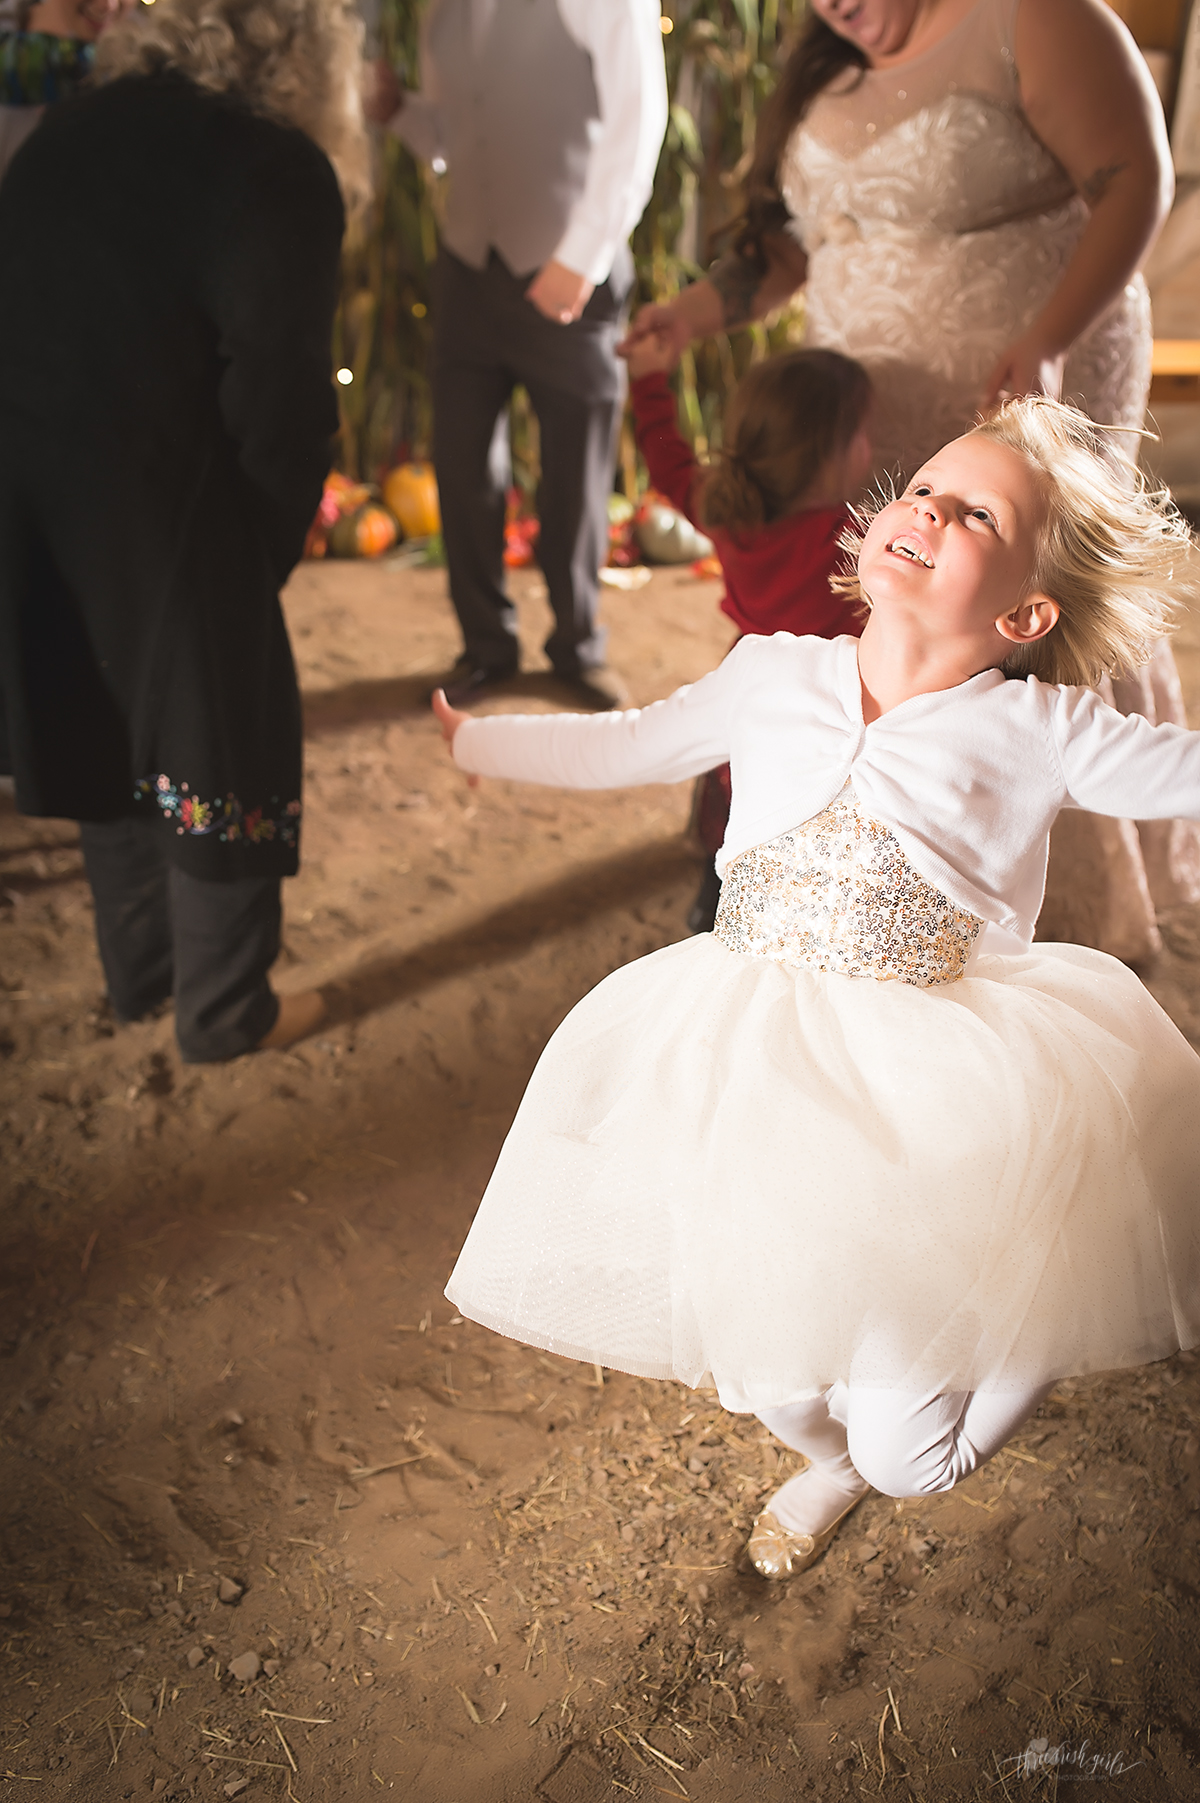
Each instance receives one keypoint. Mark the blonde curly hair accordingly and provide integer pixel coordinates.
(1114, 553)
(297, 61)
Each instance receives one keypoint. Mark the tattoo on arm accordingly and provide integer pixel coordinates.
(737, 282)
(1097, 184)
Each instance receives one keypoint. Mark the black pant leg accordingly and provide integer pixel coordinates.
(127, 868)
(577, 386)
(470, 388)
(226, 938)
(577, 442)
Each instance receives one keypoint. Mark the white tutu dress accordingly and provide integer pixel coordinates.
(840, 1139)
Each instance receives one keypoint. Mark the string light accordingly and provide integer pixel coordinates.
(666, 26)
(345, 377)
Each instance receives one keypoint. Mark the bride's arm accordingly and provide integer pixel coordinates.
(1088, 95)
(732, 294)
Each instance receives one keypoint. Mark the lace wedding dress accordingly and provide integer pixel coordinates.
(937, 225)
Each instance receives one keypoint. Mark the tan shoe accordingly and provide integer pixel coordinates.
(299, 1015)
(777, 1552)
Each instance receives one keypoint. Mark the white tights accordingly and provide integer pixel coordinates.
(896, 1441)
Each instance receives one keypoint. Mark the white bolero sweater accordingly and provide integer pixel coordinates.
(969, 780)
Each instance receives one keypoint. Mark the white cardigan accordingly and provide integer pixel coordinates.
(968, 779)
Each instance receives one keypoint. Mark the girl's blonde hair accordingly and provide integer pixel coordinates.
(788, 415)
(296, 61)
(1115, 554)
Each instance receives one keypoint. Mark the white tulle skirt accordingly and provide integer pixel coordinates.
(735, 1171)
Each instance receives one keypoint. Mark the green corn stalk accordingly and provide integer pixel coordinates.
(382, 332)
(721, 58)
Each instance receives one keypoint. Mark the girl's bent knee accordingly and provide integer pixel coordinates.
(902, 1470)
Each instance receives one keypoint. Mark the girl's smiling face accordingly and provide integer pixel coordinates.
(955, 555)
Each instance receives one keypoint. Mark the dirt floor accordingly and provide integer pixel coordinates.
(277, 1523)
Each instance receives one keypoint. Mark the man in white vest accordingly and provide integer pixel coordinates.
(548, 116)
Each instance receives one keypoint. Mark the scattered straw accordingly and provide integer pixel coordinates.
(643, 1742)
(287, 1750)
(95, 1524)
(363, 1471)
(270, 1765)
(471, 1709)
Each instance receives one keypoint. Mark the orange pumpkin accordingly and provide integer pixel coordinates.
(346, 496)
(410, 491)
(368, 533)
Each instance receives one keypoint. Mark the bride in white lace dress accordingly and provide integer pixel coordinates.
(966, 190)
(937, 227)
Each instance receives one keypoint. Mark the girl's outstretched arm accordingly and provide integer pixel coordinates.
(667, 742)
(1119, 764)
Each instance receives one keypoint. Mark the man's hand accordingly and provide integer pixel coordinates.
(559, 292)
(382, 94)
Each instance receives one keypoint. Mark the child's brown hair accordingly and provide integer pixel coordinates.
(788, 416)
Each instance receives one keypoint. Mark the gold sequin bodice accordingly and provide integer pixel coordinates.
(837, 894)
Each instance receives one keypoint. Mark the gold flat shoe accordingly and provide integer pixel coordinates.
(776, 1552)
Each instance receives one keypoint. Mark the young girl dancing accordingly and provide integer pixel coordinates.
(866, 1157)
(796, 451)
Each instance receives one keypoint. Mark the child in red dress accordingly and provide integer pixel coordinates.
(775, 504)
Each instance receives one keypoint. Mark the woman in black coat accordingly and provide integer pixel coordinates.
(167, 286)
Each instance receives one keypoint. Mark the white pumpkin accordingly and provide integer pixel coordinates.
(667, 537)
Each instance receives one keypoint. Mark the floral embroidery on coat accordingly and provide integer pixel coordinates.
(224, 816)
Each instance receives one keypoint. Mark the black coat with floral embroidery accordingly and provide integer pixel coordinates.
(168, 268)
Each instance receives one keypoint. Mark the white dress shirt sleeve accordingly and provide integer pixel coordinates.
(624, 40)
(668, 742)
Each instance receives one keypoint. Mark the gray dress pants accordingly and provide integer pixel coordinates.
(487, 339)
